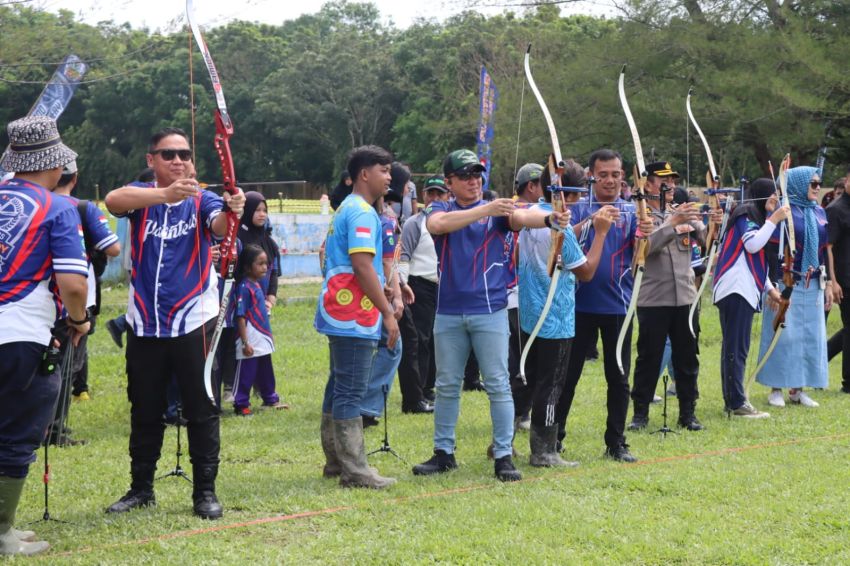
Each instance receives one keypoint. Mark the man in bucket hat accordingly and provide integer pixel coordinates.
(40, 249)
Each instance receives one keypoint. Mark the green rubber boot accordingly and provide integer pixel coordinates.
(10, 495)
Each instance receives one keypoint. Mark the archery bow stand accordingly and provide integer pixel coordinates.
(664, 430)
(178, 471)
(385, 443)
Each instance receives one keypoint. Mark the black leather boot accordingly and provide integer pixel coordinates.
(204, 502)
(640, 418)
(141, 490)
(687, 415)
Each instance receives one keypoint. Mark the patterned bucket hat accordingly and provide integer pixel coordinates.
(35, 145)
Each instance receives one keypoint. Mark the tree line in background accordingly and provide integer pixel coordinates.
(768, 78)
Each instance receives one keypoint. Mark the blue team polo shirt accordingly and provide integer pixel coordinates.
(610, 290)
(473, 263)
(344, 309)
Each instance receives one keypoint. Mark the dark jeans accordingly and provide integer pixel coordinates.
(417, 369)
(656, 323)
(840, 341)
(588, 326)
(151, 363)
(545, 372)
(736, 323)
(351, 362)
(27, 402)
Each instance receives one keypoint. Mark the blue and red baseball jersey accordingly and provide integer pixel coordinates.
(96, 224)
(473, 263)
(173, 289)
(39, 235)
(344, 309)
(251, 305)
(732, 248)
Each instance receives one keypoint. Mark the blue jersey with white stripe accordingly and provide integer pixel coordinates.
(610, 290)
(473, 263)
(173, 289)
(39, 235)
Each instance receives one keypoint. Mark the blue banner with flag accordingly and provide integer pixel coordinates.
(488, 100)
(59, 91)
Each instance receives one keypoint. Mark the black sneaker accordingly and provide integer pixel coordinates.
(206, 506)
(505, 469)
(133, 499)
(439, 463)
(422, 407)
(117, 335)
(845, 388)
(429, 395)
(369, 421)
(620, 453)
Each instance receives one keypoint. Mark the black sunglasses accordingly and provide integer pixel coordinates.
(814, 184)
(170, 154)
(467, 176)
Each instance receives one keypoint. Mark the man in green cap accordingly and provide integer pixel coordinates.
(471, 238)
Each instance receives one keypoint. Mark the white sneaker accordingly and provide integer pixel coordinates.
(800, 398)
(775, 398)
(656, 399)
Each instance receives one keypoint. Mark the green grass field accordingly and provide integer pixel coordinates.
(760, 492)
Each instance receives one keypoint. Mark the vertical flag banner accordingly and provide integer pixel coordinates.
(489, 99)
(58, 92)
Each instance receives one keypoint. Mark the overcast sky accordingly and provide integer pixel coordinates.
(167, 15)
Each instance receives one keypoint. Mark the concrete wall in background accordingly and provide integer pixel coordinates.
(298, 236)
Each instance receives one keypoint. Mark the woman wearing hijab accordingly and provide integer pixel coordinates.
(799, 358)
(254, 229)
(739, 282)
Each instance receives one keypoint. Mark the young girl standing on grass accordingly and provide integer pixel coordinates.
(254, 343)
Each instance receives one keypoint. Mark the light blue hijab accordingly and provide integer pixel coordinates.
(798, 194)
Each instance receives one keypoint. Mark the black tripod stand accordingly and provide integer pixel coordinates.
(665, 430)
(65, 372)
(178, 470)
(385, 445)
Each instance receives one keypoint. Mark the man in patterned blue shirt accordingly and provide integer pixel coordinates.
(473, 253)
(43, 270)
(173, 304)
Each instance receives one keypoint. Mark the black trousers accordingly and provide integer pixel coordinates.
(840, 341)
(656, 324)
(150, 364)
(545, 372)
(73, 382)
(416, 369)
(588, 327)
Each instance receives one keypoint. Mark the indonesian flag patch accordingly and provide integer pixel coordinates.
(363, 232)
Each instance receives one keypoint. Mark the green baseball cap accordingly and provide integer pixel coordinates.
(528, 172)
(461, 161)
(435, 182)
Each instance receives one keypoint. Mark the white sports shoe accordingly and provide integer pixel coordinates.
(775, 398)
(800, 398)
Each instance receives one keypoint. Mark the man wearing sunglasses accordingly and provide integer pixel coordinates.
(471, 240)
(171, 314)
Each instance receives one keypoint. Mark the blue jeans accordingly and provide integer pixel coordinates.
(383, 372)
(667, 361)
(350, 368)
(487, 335)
